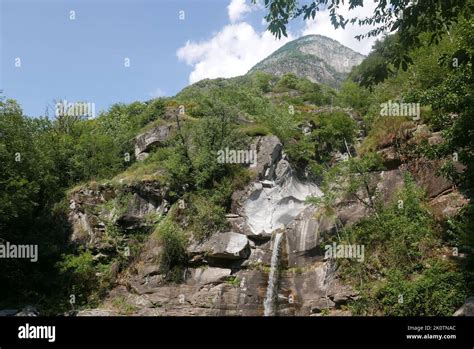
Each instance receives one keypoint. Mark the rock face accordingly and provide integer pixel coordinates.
(449, 205)
(128, 208)
(467, 308)
(276, 198)
(229, 273)
(316, 57)
(155, 137)
(268, 153)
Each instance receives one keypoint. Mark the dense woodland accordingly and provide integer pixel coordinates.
(43, 158)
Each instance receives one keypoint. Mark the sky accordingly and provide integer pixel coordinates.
(110, 51)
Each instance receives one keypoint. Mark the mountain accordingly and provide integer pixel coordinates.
(316, 57)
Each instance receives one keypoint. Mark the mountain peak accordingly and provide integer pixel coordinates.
(315, 57)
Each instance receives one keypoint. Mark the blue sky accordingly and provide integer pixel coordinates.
(84, 59)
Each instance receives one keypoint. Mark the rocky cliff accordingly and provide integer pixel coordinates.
(316, 57)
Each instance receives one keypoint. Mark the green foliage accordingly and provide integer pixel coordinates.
(123, 307)
(437, 291)
(242, 95)
(82, 266)
(263, 81)
(215, 132)
(287, 82)
(279, 121)
(173, 241)
(377, 67)
(354, 96)
(206, 217)
(330, 134)
(452, 100)
(79, 272)
(400, 244)
(351, 179)
(233, 281)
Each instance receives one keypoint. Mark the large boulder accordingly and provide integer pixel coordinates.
(221, 246)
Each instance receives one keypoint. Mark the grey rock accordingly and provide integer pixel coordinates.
(467, 309)
(96, 312)
(225, 246)
(268, 153)
(315, 57)
(319, 305)
(8, 312)
(29, 310)
(203, 276)
(156, 136)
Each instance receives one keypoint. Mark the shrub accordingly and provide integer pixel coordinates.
(173, 241)
(287, 81)
(400, 244)
(207, 217)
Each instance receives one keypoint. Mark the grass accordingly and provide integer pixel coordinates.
(123, 307)
(383, 130)
(140, 171)
(254, 130)
(233, 281)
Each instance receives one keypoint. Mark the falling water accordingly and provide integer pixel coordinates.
(273, 277)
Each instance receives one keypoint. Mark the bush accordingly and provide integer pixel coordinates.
(206, 217)
(438, 291)
(401, 245)
(287, 81)
(173, 242)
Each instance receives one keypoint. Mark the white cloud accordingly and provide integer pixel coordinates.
(322, 25)
(230, 52)
(237, 9)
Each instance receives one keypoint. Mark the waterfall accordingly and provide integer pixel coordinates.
(273, 277)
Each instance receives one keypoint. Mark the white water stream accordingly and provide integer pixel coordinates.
(269, 301)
